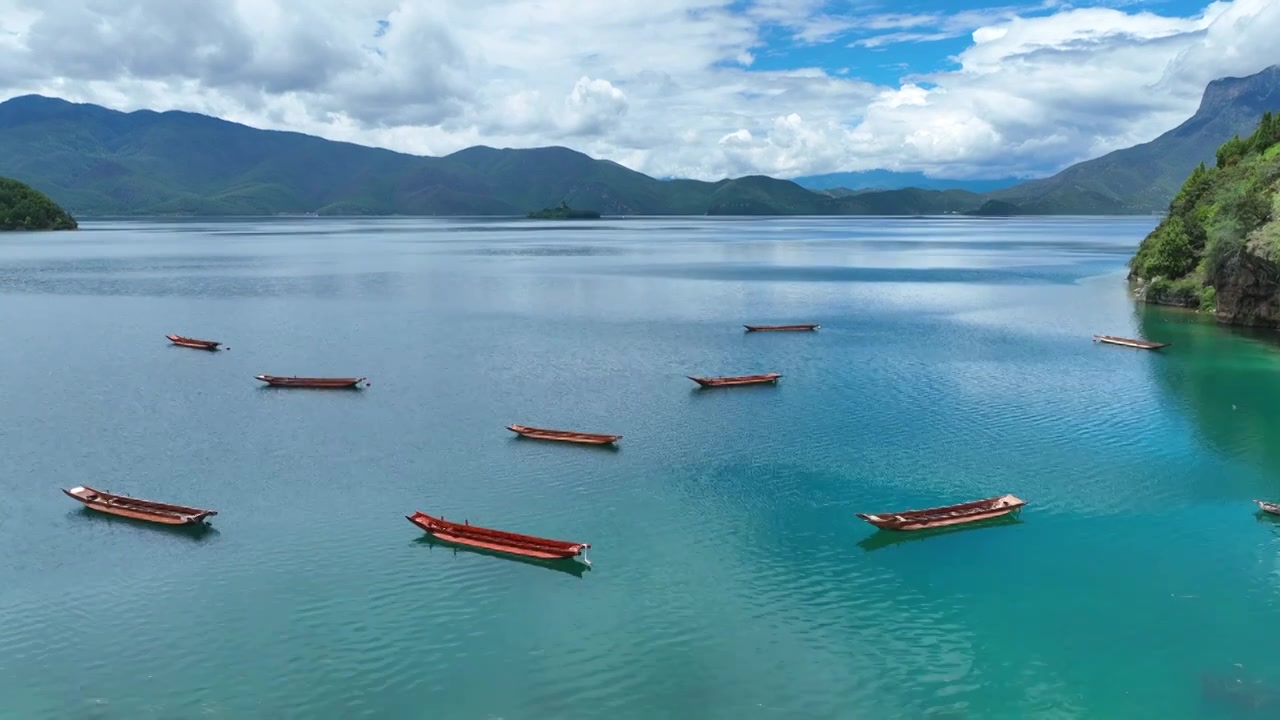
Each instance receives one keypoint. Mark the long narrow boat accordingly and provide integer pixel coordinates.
(881, 540)
(946, 515)
(1268, 507)
(564, 435)
(129, 507)
(780, 328)
(193, 342)
(739, 380)
(498, 540)
(568, 567)
(310, 382)
(1130, 342)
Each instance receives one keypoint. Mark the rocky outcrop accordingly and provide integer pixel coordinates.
(1166, 293)
(1247, 287)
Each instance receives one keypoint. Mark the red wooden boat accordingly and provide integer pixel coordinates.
(947, 515)
(497, 540)
(310, 382)
(780, 328)
(739, 380)
(1130, 342)
(563, 435)
(1268, 507)
(125, 506)
(193, 343)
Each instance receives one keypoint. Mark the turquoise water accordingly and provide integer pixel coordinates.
(731, 578)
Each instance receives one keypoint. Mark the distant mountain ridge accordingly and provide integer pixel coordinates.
(862, 180)
(96, 161)
(1144, 178)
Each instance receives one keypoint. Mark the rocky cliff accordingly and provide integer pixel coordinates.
(1247, 288)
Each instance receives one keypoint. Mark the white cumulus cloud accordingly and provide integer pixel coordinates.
(689, 88)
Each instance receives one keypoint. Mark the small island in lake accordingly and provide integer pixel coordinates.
(996, 208)
(563, 212)
(22, 207)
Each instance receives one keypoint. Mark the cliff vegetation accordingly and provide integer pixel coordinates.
(1218, 248)
(25, 208)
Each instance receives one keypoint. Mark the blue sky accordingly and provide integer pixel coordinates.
(889, 41)
(685, 88)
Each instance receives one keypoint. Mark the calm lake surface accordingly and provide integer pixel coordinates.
(731, 578)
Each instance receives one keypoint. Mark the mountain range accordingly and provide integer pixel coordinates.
(1144, 178)
(96, 161)
(847, 183)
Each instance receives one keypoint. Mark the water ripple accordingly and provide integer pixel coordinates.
(731, 577)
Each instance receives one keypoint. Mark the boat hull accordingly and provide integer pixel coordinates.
(498, 541)
(193, 342)
(136, 509)
(564, 435)
(708, 382)
(1129, 342)
(497, 547)
(576, 567)
(316, 383)
(946, 516)
(925, 525)
(781, 328)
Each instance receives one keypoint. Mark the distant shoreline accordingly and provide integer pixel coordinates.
(300, 216)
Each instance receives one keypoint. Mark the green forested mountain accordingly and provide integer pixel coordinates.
(1143, 178)
(97, 161)
(846, 183)
(1219, 246)
(24, 208)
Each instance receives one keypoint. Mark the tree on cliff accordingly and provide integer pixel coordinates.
(1221, 214)
(25, 208)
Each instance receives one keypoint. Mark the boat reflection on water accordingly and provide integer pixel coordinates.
(564, 565)
(1241, 696)
(885, 538)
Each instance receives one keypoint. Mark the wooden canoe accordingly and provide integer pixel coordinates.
(567, 566)
(129, 507)
(310, 382)
(193, 342)
(564, 435)
(1268, 507)
(498, 540)
(1130, 342)
(780, 328)
(946, 515)
(739, 380)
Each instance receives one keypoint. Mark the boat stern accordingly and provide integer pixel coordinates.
(201, 518)
(1011, 501)
(874, 519)
(79, 492)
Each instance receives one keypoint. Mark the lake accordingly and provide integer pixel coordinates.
(730, 578)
